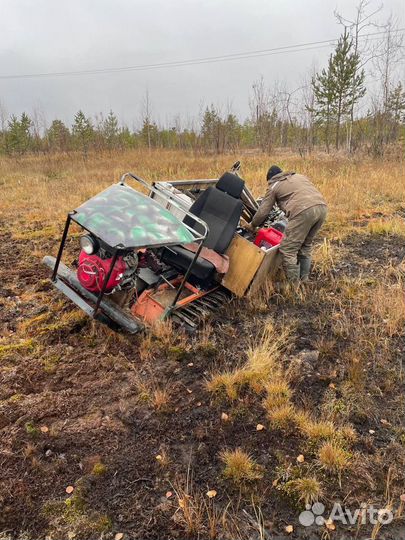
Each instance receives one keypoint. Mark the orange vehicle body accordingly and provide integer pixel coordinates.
(152, 305)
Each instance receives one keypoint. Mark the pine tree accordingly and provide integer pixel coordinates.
(58, 136)
(18, 136)
(212, 130)
(233, 131)
(149, 133)
(339, 87)
(396, 103)
(395, 112)
(111, 131)
(126, 139)
(348, 80)
(83, 132)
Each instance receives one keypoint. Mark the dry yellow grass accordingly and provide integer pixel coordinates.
(385, 227)
(190, 506)
(316, 430)
(47, 186)
(39, 190)
(347, 433)
(240, 466)
(23, 346)
(263, 363)
(306, 489)
(333, 457)
(229, 382)
(278, 393)
(159, 396)
(282, 417)
(387, 306)
(324, 257)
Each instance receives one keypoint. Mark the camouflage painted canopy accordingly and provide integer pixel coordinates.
(123, 217)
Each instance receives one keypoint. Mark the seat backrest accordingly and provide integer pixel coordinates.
(231, 184)
(220, 207)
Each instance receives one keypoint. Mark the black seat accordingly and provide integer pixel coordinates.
(220, 207)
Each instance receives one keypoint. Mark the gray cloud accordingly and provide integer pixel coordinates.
(51, 35)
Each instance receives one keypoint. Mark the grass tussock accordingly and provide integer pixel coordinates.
(163, 337)
(99, 469)
(191, 511)
(307, 490)
(278, 394)
(149, 391)
(333, 457)
(240, 466)
(324, 256)
(198, 514)
(282, 417)
(325, 430)
(388, 307)
(161, 398)
(263, 362)
(385, 227)
(317, 430)
(347, 434)
(228, 382)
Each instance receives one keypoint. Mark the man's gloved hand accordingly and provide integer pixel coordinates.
(250, 228)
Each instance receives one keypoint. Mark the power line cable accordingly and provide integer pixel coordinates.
(205, 60)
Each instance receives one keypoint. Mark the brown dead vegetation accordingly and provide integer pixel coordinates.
(166, 435)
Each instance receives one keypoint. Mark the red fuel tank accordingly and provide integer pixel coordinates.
(268, 238)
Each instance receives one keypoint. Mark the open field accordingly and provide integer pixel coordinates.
(275, 404)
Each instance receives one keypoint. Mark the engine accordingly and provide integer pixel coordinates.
(94, 267)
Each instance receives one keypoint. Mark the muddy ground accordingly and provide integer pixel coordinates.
(73, 412)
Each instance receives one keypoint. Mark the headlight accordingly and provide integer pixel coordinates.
(88, 244)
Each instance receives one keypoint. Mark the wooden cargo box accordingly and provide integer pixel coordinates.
(249, 266)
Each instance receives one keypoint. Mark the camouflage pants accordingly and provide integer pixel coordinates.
(297, 243)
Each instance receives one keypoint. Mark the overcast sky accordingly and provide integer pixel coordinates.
(38, 36)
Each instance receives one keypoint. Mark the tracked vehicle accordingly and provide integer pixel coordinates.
(169, 249)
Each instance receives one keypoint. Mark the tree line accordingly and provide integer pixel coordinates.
(333, 109)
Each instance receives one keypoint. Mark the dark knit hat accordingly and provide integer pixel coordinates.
(273, 171)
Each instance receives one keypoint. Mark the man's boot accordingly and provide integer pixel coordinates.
(305, 267)
(292, 272)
